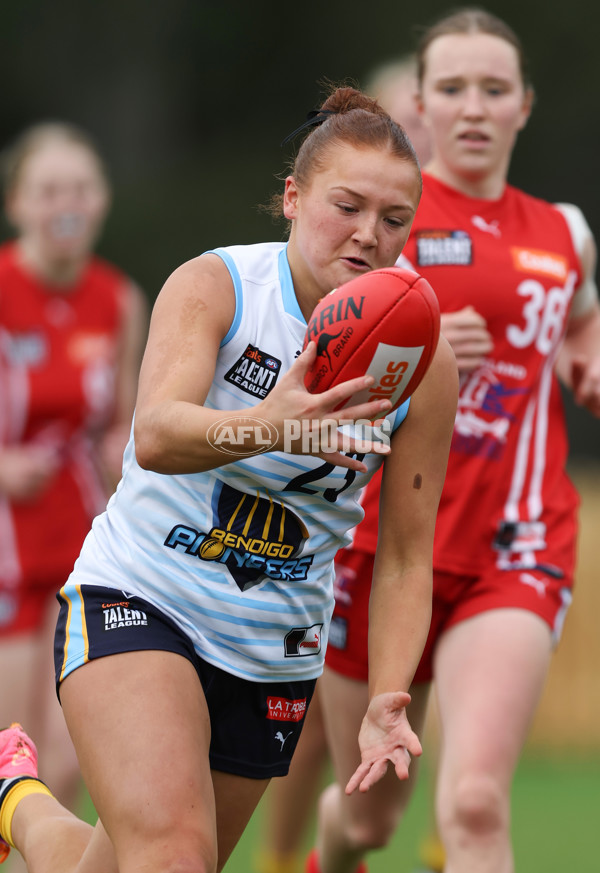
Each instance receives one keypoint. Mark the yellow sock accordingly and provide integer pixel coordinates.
(273, 862)
(13, 797)
(432, 853)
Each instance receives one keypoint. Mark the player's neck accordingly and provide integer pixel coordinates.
(482, 186)
(61, 273)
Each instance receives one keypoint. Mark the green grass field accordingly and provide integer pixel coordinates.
(556, 820)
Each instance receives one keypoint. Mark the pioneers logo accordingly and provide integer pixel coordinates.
(255, 537)
(242, 435)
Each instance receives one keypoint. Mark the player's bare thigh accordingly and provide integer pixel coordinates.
(490, 671)
(141, 729)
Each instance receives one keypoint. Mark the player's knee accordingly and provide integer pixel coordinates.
(477, 806)
(365, 826)
(371, 831)
(172, 857)
(185, 864)
(368, 838)
(170, 845)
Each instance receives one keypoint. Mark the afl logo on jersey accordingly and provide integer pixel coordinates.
(436, 248)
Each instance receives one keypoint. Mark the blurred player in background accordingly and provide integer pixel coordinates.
(289, 806)
(515, 280)
(395, 86)
(71, 335)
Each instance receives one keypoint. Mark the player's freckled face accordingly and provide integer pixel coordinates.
(353, 216)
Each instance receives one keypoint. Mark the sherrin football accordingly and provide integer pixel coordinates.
(385, 323)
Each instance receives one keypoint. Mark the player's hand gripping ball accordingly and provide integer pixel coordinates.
(385, 323)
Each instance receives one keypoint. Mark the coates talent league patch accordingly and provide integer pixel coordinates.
(255, 372)
(440, 247)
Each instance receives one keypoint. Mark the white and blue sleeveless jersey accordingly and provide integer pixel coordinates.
(241, 556)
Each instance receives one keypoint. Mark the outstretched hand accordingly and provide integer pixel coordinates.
(385, 737)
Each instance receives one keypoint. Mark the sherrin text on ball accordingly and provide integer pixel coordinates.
(386, 324)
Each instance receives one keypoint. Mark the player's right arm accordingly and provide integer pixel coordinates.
(191, 316)
(578, 363)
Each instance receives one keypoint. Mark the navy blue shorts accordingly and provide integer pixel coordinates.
(255, 725)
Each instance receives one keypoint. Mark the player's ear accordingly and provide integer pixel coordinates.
(290, 199)
(421, 108)
(11, 208)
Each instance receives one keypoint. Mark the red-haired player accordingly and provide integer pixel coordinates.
(185, 672)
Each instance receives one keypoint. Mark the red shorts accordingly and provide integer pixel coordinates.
(455, 598)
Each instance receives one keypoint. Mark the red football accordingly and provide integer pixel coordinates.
(385, 323)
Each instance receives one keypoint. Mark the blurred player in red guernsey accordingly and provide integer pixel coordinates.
(515, 279)
(71, 333)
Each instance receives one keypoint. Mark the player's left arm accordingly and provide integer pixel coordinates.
(578, 364)
(400, 604)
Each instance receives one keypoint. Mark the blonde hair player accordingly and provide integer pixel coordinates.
(515, 279)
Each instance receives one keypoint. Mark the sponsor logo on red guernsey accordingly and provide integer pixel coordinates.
(536, 261)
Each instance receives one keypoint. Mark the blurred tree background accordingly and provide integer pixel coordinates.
(190, 99)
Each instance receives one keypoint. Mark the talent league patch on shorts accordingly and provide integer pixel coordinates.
(121, 614)
(444, 247)
(255, 372)
(282, 709)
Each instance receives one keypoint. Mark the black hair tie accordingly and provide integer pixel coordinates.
(314, 118)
